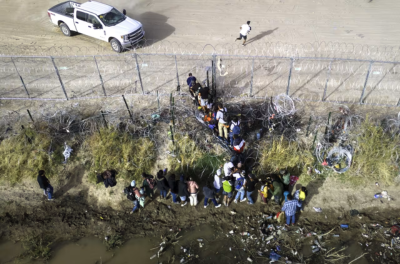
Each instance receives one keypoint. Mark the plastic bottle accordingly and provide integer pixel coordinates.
(378, 195)
(245, 234)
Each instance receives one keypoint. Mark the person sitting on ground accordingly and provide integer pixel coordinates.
(44, 184)
(223, 130)
(290, 208)
(278, 189)
(238, 144)
(301, 195)
(209, 193)
(193, 190)
(138, 195)
(203, 93)
(264, 192)
(183, 190)
(240, 185)
(234, 128)
(148, 185)
(227, 185)
(109, 178)
(250, 187)
(217, 183)
(173, 184)
(162, 184)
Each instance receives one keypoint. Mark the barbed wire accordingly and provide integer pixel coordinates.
(273, 49)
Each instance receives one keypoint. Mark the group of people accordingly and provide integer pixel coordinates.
(225, 126)
(230, 184)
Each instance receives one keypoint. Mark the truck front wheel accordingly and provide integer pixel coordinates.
(65, 30)
(115, 45)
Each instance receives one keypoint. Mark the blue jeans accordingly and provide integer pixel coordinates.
(249, 197)
(212, 199)
(183, 198)
(217, 190)
(241, 193)
(135, 205)
(231, 139)
(49, 191)
(288, 217)
(163, 193)
(174, 197)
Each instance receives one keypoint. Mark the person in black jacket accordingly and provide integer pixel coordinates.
(250, 187)
(183, 190)
(44, 184)
(109, 178)
(162, 184)
(173, 184)
(209, 193)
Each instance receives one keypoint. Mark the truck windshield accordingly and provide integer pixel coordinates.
(112, 18)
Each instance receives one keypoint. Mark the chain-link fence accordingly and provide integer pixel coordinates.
(307, 78)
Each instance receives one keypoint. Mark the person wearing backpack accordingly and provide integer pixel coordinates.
(301, 195)
(162, 184)
(234, 129)
(240, 185)
(138, 195)
(222, 125)
(183, 190)
(227, 186)
(148, 185)
(173, 184)
(264, 192)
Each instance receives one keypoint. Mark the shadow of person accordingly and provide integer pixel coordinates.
(155, 26)
(261, 35)
(74, 179)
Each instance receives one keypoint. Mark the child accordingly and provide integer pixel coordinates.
(301, 195)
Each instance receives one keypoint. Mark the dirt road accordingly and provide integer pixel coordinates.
(366, 22)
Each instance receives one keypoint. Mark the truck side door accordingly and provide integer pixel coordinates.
(97, 28)
(81, 23)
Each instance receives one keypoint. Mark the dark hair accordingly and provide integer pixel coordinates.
(289, 197)
(143, 174)
(248, 22)
(215, 108)
(106, 174)
(235, 119)
(220, 105)
(303, 189)
(172, 176)
(160, 174)
(41, 173)
(190, 74)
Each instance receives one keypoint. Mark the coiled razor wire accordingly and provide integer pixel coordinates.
(335, 157)
(283, 105)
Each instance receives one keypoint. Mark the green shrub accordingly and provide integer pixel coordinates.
(111, 149)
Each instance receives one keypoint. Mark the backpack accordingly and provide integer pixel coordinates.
(151, 182)
(239, 183)
(137, 192)
(128, 193)
(235, 129)
(302, 195)
(395, 230)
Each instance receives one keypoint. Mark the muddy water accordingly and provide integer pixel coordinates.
(93, 250)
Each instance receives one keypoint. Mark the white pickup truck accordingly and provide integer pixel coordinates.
(98, 21)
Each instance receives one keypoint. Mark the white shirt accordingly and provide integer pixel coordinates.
(245, 29)
(228, 168)
(220, 117)
(217, 182)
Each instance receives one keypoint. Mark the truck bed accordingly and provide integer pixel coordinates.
(65, 8)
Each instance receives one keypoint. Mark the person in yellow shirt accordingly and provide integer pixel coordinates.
(264, 193)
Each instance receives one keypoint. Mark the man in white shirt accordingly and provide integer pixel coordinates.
(222, 125)
(244, 31)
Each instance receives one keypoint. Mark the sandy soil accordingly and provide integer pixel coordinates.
(367, 22)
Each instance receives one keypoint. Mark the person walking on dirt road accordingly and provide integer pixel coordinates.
(191, 81)
(44, 184)
(290, 208)
(244, 31)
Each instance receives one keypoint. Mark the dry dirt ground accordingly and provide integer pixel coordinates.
(367, 22)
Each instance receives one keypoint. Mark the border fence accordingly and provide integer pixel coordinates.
(339, 80)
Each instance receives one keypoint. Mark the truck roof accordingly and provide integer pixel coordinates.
(96, 7)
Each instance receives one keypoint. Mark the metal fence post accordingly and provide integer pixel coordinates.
(138, 70)
(365, 83)
(101, 78)
(251, 81)
(327, 80)
(20, 77)
(158, 102)
(214, 72)
(127, 107)
(104, 118)
(178, 88)
(290, 75)
(59, 77)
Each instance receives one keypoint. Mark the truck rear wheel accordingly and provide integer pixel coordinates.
(115, 45)
(65, 30)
